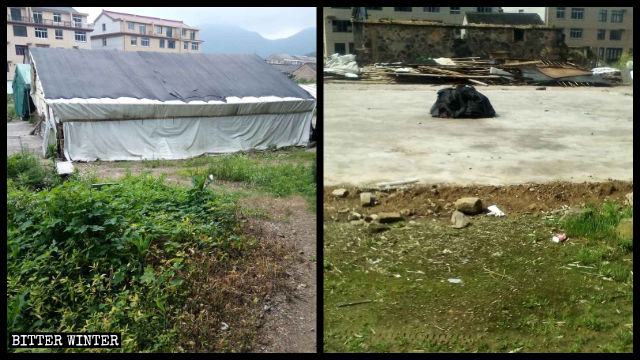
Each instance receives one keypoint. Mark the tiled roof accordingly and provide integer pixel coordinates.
(504, 18)
(61, 9)
(146, 19)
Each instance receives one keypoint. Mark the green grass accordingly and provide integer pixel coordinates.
(520, 291)
(25, 169)
(280, 173)
(11, 112)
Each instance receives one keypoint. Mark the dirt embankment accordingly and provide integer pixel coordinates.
(437, 200)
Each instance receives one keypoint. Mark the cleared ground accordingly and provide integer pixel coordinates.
(385, 133)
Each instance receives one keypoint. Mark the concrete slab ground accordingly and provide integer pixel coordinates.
(376, 133)
(17, 133)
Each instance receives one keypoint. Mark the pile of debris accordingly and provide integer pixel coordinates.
(488, 71)
(341, 66)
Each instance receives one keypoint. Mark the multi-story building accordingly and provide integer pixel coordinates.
(128, 32)
(606, 31)
(61, 27)
(338, 36)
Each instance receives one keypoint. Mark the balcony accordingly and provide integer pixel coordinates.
(48, 22)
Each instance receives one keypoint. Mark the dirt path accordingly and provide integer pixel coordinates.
(290, 323)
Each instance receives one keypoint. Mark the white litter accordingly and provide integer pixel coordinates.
(64, 167)
(494, 211)
(454, 281)
(444, 61)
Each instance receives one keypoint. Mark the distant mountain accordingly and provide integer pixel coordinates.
(225, 39)
(311, 54)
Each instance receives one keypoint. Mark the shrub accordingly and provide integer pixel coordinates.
(84, 260)
(25, 169)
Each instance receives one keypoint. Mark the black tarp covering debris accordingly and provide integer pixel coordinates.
(462, 102)
(79, 73)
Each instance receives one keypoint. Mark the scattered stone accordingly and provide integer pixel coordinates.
(629, 198)
(224, 326)
(343, 211)
(390, 217)
(367, 199)
(406, 212)
(302, 286)
(340, 193)
(435, 191)
(354, 216)
(469, 205)
(266, 308)
(625, 229)
(574, 211)
(459, 220)
(370, 218)
(376, 228)
(436, 208)
(357, 222)
(532, 189)
(532, 207)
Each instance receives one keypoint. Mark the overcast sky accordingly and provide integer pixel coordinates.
(537, 10)
(270, 22)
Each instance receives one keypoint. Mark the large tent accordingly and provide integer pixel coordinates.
(21, 88)
(115, 105)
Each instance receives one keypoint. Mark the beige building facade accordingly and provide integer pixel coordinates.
(338, 35)
(128, 32)
(607, 31)
(59, 27)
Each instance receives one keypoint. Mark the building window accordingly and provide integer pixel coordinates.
(41, 33)
(194, 46)
(162, 43)
(432, 9)
(615, 34)
(158, 29)
(613, 54)
(144, 41)
(518, 34)
(341, 25)
(408, 9)
(81, 36)
(16, 14)
(104, 41)
(484, 9)
(575, 33)
(104, 27)
(374, 8)
(193, 35)
(58, 34)
(340, 48)
(77, 21)
(171, 44)
(184, 32)
(616, 16)
(37, 17)
(601, 34)
(7, 66)
(57, 17)
(134, 41)
(19, 30)
(169, 32)
(454, 10)
(577, 13)
(142, 28)
(602, 15)
(186, 45)
(132, 26)
(21, 49)
(560, 13)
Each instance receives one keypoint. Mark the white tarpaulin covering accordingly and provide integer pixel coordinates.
(167, 117)
(342, 65)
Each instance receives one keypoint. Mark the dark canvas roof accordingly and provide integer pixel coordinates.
(504, 18)
(80, 73)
